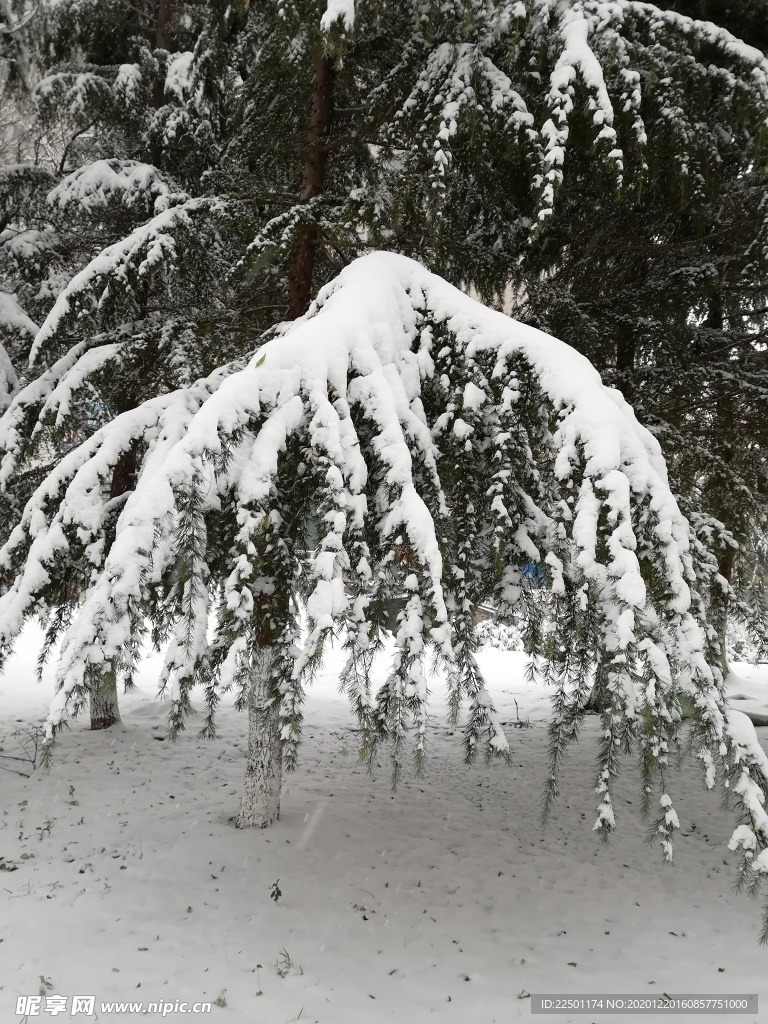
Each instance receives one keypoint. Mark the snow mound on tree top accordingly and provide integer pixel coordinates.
(368, 318)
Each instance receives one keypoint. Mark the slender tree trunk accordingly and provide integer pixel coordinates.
(104, 707)
(722, 431)
(626, 348)
(596, 702)
(302, 262)
(162, 39)
(726, 563)
(725, 566)
(260, 804)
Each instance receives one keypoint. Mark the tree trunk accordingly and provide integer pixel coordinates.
(302, 263)
(260, 804)
(725, 566)
(626, 349)
(726, 563)
(720, 498)
(597, 702)
(162, 39)
(104, 708)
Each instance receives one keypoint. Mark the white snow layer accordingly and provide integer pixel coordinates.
(13, 318)
(338, 10)
(106, 181)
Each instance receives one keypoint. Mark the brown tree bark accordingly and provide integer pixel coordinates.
(302, 262)
(162, 40)
(104, 707)
(626, 349)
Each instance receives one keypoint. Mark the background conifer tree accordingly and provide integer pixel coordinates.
(662, 285)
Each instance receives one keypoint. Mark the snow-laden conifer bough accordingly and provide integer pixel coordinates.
(400, 442)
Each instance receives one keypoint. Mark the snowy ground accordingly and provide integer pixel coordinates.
(446, 902)
(748, 692)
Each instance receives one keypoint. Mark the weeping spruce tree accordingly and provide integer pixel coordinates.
(398, 438)
(627, 142)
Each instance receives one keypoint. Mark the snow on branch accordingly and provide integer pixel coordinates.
(457, 78)
(338, 11)
(68, 517)
(576, 56)
(13, 318)
(127, 182)
(78, 92)
(625, 53)
(14, 323)
(38, 394)
(119, 267)
(752, 59)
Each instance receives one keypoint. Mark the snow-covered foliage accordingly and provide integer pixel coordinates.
(124, 182)
(14, 324)
(160, 110)
(740, 646)
(663, 283)
(125, 265)
(532, 89)
(480, 111)
(501, 635)
(399, 439)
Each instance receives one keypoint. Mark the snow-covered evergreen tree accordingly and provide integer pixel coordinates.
(663, 286)
(96, 222)
(398, 439)
(209, 215)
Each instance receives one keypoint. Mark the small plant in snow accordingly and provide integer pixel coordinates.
(275, 892)
(30, 742)
(284, 964)
(46, 828)
(519, 723)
